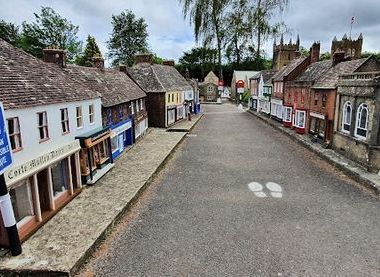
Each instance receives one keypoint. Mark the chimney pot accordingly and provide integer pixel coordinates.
(98, 62)
(54, 55)
(122, 68)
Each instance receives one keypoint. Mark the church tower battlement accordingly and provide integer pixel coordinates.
(351, 48)
(284, 53)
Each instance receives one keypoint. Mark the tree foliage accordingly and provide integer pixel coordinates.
(50, 29)
(91, 50)
(9, 32)
(128, 38)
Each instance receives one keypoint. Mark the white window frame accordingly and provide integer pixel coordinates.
(65, 121)
(287, 118)
(297, 121)
(132, 108)
(79, 117)
(44, 125)
(358, 119)
(91, 113)
(344, 117)
(16, 135)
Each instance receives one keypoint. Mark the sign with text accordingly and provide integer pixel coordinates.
(240, 86)
(5, 146)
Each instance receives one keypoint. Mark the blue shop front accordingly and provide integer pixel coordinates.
(121, 137)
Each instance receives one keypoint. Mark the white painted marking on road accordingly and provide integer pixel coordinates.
(191, 135)
(275, 190)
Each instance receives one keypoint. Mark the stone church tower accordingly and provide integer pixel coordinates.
(284, 53)
(352, 48)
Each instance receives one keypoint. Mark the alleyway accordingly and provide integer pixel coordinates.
(239, 198)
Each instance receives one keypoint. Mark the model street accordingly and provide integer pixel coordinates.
(239, 198)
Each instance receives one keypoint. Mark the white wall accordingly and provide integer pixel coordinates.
(31, 145)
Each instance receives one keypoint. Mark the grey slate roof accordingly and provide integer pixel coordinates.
(158, 78)
(329, 80)
(279, 76)
(314, 71)
(267, 75)
(113, 86)
(26, 81)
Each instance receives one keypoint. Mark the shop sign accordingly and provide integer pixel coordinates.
(33, 166)
(317, 115)
(5, 146)
(121, 129)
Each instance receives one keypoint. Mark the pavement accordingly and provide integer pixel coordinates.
(238, 198)
(185, 125)
(64, 243)
(353, 169)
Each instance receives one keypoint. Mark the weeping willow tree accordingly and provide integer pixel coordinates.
(207, 18)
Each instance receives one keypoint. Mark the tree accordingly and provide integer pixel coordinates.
(238, 32)
(91, 50)
(325, 56)
(208, 18)
(50, 29)
(263, 22)
(9, 32)
(128, 38)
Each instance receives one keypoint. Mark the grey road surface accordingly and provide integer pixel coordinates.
(241, 199)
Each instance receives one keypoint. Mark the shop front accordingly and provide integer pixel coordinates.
(171, 115)
(40, 187)
(141, 125)
(276, 109)
(287, 119)
(317, 127)
(300, 117)
(95, 155)
(121, 137)
(253, 105)
(180, 112)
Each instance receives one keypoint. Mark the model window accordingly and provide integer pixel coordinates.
(121, 113)
(109, 116)
(132, 108)
(65, 121)
(287, 114)
(324, 100)
(91, 113)
(316, 95)
(79, 117)
(60, 177)
(168, 98)
(141, 104)
(43, 126)
(14, 133)
(347, 111)
(22, 200)
(172, 97)
(300, 119)
(362, 121)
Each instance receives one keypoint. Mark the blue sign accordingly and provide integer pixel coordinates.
(5, 149)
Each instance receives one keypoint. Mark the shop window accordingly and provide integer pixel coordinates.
(362, 121)
(347, 113)
(65, 121)
(60, 177)
(287, 114)
(14, 133)
(114, 144)
(43, 126)
(79, 117)
(91, 113)
(300, 119)
(313, 125)
(84, 166)
(22, 200)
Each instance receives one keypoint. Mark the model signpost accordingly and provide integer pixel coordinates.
(5, 199)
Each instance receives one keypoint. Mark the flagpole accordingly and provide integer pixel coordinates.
(352, 22)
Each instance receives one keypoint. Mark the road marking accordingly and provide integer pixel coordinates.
(191, 135)
(275, 190)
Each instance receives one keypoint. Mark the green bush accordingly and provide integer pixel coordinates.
(245, 97)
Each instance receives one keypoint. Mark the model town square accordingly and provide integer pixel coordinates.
(190, 138)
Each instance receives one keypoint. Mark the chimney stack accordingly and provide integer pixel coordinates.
(54, 55)
(98, 62)
(122, 68)
(315, 51)
(144, 58)
(338, 57)
(187, 74)
(168, 62)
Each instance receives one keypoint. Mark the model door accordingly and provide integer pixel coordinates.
(121, 141)
(43, 190)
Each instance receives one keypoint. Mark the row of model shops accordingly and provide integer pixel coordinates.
(174, 114)
(40, 187)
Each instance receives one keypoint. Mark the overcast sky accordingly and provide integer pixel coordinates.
(170, 35)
